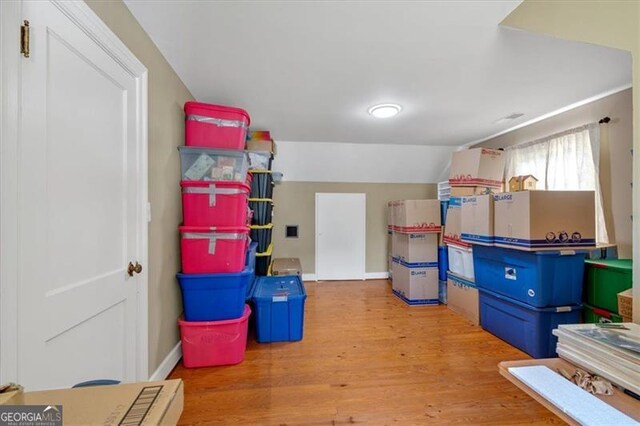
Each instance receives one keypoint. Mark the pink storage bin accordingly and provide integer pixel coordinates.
(210, 343)
(215, 126)
(212, 250)
(219, 203)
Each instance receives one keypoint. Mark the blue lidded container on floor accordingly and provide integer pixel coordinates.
(279, 308)
(526, 327)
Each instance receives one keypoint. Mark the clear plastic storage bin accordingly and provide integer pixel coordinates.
(213, 164)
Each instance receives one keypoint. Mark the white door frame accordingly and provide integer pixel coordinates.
(364, 226)
(10, 79)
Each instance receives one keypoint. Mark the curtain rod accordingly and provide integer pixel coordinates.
(555, 135)
(604, 120)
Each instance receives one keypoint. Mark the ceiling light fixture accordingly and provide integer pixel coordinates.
(385, 110)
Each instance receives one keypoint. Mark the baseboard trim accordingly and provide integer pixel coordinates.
(376, 275)
(167, 364)
(367, 276)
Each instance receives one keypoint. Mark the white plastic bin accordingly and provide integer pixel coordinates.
(461, 261)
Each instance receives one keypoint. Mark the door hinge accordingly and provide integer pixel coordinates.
(24, 39)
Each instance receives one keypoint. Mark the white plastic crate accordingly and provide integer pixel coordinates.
(461, 261)
(444, 191)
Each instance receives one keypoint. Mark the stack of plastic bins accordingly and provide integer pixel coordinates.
(525, 295)
(263, 261)
(216, 267)
(279, 308)
(261, 196)
(262, 231)
(604, 279)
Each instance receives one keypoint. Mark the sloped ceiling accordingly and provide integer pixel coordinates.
(308, 71)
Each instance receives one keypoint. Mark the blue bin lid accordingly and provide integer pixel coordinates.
(279, 287)
(554, 309)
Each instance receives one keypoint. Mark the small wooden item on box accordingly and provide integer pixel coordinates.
(522, 183)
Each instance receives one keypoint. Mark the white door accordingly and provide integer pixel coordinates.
(81, 206)
(340, 236)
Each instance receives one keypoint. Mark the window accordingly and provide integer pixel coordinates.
(565, 161)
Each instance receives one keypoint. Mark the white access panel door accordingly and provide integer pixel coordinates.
(340, 236)
(81, 184)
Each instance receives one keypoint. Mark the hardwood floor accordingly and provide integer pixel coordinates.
(366, 357)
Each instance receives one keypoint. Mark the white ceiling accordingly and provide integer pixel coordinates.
(308, 71)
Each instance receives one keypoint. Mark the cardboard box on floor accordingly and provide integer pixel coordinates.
(476, 220)
(539, 220)
(417, 216)
(463, 298)
(453, 227)
(477, 167)
(144, 403)
(415, 248)
(415, 285)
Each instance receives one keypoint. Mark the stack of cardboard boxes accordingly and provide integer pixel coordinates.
(516, 259)
(415, 227)
(476, 174)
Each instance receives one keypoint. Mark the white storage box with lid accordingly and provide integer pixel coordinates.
(461, 261)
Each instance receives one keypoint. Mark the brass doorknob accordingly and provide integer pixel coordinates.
(137, 268)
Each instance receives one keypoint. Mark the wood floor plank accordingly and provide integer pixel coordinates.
(367, 358)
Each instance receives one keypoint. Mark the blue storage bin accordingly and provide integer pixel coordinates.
(279, 308)
(442, 292)
(444, 205)
(214, 297)
(540, 278)
(251, 264)
(523, 326)
(443, 263)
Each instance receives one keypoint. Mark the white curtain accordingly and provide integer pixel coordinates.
(566, 161)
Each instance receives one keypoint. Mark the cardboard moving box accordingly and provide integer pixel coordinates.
(261, 145)
(463, 298)
(415, 248)
(476, 220)
(625, 305)
(535, 220)
(453, 228)
(144, 403)
(465, 191)
(286, 266)
(417, 283)
(477, 167)
(416, 216)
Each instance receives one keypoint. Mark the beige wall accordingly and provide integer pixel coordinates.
(167, 94)
(615, 156)
(295, 205)
(610, 23)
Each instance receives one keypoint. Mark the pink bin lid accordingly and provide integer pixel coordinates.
(245, 315)
(217, 183)
(211, 109)
(219, 229)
